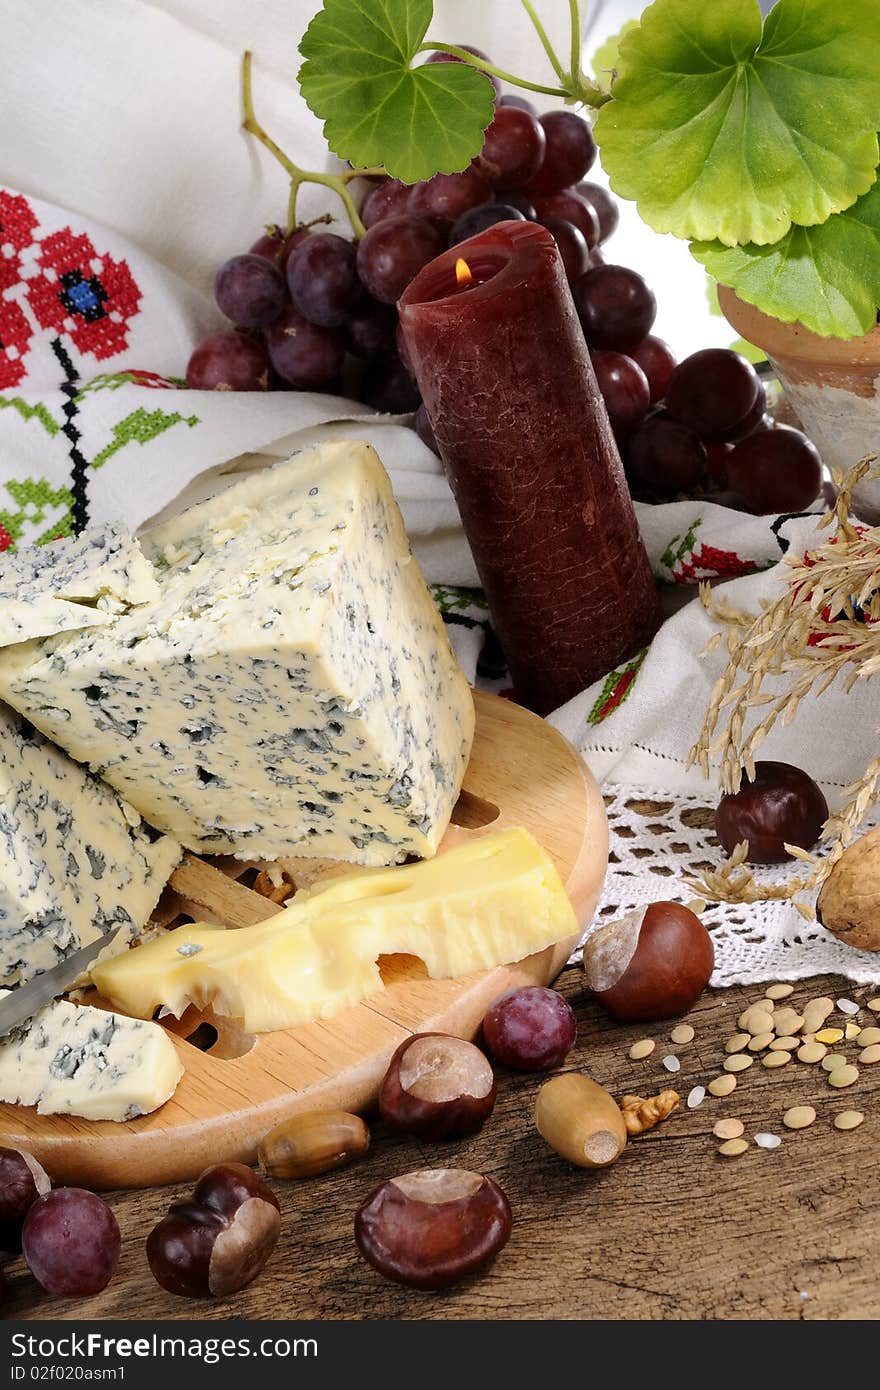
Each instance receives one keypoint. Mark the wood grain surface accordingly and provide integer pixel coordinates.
(671, 1231)
(521, 773)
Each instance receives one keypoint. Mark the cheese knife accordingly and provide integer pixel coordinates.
(24, 1001)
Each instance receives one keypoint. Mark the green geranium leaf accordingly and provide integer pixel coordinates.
(719, 129)
(376, 108)
(605, 59)
(827, 278)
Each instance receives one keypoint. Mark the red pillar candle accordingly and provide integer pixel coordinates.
(509, 388)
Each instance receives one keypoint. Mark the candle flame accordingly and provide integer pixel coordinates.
(463, 274)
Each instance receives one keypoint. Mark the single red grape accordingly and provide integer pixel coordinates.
(228, 361)
(250, 291)
(478, 219)
(387, 386)
(425, 430)
(571, 208)
(302, 353)
(441, 57)
(514, 143)
(624, 388)
(657, 361)
(665, 457)
(370, 328)
(449, 195)
(71, 1242)
(390, 199)
(713, 392)
(323, 280)
(393, 252)
(277, 247)
(776, 470)
(755, 420)
(511, 199)
(616, 307)
(572, 247)
(605, 207)
(530, 1029)
(521, 103)
(569, 154)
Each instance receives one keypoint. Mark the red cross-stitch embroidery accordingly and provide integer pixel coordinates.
(15, 337)
(17, 221)
(90, 298)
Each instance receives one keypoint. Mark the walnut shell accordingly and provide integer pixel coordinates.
(849, 903)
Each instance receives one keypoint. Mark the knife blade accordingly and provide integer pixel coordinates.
(22, 1003)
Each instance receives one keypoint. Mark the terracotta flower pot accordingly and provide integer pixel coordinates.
(833, 385)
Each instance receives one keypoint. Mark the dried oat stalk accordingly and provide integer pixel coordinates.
(818, 629)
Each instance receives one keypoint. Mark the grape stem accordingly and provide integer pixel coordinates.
(576, 87)
(545, 40)
(338, 182)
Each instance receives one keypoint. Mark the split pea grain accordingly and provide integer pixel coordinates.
(684, 1033)
(775, 1059)
(786, 1021)
(737, 1042)
(812, 1052)
(738, 1062)
(833, 1061)
(843, 1076)
(830, 1036)
(851, 1031)
(760, 1041)
(778, 991)
(870, 1055)
(722, 1085)
(728, 1129)
(799, 1116)
(733, 1148)
(641, 1049)
(848, 1119)
(785, 1044)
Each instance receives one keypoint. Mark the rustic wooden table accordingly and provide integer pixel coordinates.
(671, 1231)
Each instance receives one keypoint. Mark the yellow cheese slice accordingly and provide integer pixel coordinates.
(486, 903)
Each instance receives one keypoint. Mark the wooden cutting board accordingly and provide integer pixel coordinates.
(236, 1087)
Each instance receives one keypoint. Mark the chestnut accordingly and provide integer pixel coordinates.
(217, 1242)
(780, 805)
(22, 1181)
(650, 964)
(437, 1087)
(431, 1228)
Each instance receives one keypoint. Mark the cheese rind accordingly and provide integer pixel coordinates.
(70, 1059)
(74, 858)
(71, 584)
(292, 691)
(493, 900)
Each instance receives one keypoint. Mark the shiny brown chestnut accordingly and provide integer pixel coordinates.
(22, 1181)
(437, 1087)
(434, 1227)
(781, 805)
(651, 964)
(217, 1242)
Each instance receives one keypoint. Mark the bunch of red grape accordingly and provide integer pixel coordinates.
(314, 311)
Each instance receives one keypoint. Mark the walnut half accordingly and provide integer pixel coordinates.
(641, 1114)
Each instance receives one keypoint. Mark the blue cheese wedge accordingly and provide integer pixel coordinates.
(75, 860)
(70, 1059)
(71, 584)
(292, 691)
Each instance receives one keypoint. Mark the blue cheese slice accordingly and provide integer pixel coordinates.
(71, 584)
(292, 691)
(75, 860)
(70, 1059)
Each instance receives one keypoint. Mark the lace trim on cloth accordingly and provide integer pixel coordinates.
(657, 839)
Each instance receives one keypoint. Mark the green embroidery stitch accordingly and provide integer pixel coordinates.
(452, 598)
(139, 428)
(111, 381)
(616, 689)
(680, 546)
(31, 412)
(35, 498)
